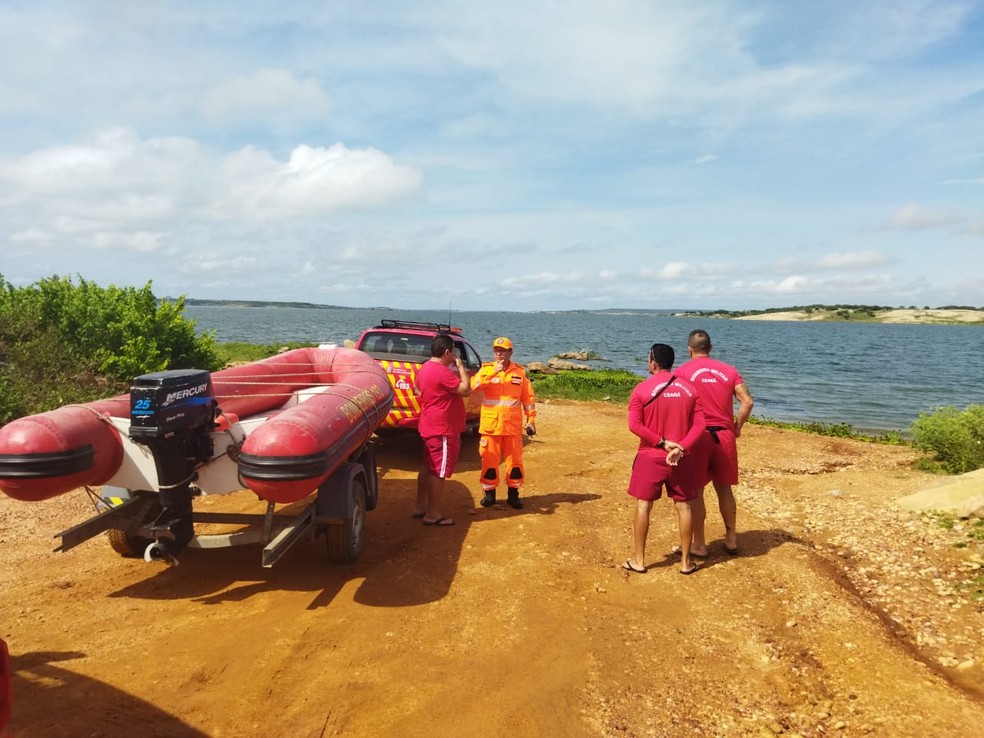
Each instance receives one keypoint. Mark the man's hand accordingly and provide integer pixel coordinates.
(674, 452)
(531, 429)
(499, 366)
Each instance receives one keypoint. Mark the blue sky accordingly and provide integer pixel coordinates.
(527, 155)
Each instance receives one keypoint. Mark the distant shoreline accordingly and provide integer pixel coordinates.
(812, 313)
(908, 315)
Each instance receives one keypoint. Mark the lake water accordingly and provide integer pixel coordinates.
(873, 376)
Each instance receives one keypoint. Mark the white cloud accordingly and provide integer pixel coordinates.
(268, 92)
(138, 241)
(115, 180)
(673, 270)
(854, 260)
(221, 263)
(31, 236)
(314, 180)
(791, 285)
(573, 153)
(916, 217)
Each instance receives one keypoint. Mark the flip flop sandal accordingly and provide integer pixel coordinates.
(629, 566)
(441, 522)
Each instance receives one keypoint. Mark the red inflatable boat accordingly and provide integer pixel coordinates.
(279, 426)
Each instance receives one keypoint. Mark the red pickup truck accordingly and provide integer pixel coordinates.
(400, 347)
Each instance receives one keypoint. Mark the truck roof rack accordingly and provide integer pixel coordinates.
(417, 325)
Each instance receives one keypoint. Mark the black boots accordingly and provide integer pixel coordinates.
(512, 499)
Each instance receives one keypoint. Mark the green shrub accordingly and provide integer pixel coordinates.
(835, 430)
(238, 352)
(613, 385)
(955, 437)
(62, 342)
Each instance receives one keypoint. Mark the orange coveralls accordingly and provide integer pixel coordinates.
(508, 395)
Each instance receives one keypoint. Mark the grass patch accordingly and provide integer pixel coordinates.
(976, 587)
(944, 520)
(608, 385)
(238, 352)
(835, 430)
(977, 530)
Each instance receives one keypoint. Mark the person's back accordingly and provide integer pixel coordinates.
(665, 413)
(715, 381)
(670, 414)
(719, 384)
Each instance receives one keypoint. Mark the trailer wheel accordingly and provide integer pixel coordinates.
(344, 540)
(368, 461)
(132, 546)
(127, 545)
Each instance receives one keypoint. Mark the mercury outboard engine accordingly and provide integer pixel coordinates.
(173, 414)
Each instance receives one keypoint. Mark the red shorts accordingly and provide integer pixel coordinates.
(718, 459)
(651, 473)
(441, 454)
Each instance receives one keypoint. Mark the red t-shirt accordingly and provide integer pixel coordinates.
(715, 382)
(442, 411)
(676, 414)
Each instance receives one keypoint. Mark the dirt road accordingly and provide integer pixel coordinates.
(843, 615)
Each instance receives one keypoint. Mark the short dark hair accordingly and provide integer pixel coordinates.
(699, 340)
(662, 355)
(442, 342)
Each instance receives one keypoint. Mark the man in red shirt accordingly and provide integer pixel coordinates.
(441, 383)
(718, 385)
(665, 412)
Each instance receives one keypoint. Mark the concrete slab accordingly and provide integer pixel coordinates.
(962, 495)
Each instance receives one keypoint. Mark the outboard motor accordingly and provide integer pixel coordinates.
(173, 414)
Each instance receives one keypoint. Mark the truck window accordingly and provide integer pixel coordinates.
(472, 362)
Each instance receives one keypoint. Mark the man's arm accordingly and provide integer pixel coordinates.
(637, 421)
(464, 381)
(698, 426)
(483, 377)
(528, 400)
(745, 404)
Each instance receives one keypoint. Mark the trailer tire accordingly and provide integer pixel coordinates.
(344, 540)
(130, 546)
(126, 545)
(368, 461)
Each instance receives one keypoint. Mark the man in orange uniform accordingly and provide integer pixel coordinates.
(508, 395)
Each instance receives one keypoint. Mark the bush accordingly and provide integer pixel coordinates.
(955, 437)
(614, 385)
(238, 352)
(61, 342)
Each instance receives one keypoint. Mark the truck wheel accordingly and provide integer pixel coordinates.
(344, 540)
